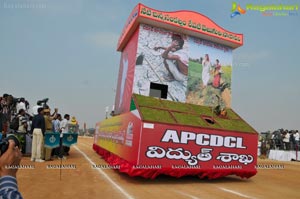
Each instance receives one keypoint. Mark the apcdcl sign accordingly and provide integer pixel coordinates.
(202, 139)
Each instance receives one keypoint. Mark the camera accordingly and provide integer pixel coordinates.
(5, 142)
(16, 100)
(43, 103)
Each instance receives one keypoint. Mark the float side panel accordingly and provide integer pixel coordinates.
(120, 135)
(126, 75)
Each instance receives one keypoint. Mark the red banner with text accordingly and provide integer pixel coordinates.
(178, 147)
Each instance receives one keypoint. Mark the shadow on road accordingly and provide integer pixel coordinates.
(163, 179)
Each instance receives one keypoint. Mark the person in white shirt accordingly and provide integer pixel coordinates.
(35, 109)
(64, 124)
(286, 140)
(21, 105)
(63, 129)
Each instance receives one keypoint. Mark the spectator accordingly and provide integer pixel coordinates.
(296, 135)
(4, 104)
(286, 140)
(64, 129)
(1, 117)
(56, 123)
(73, 125)
(53, 121)
(4, 107)
(56, 128)
(38, 126)
(16, 121)
(8, 181)
(23, 128)
(73, 121)
(292, 140)
(21, 105)
(21, 115)
(48, 125)
(35, 109)
(64, 123)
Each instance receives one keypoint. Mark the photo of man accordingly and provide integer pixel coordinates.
(162, 58)
(175, 59)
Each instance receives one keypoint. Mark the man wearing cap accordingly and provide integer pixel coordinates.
(73, 125)
(48, 124)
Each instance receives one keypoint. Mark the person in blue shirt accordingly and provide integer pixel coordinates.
(9, 162)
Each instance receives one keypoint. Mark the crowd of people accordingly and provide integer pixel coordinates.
(280, 139)
(285, 140)
(17, 117)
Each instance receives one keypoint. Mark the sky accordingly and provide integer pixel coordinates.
(66, 50)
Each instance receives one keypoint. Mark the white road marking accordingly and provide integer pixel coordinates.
(105, 175)
(187, 195)
(236, 193)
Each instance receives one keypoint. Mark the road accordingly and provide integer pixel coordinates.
(81, 179)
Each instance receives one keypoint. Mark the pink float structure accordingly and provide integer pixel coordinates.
(173, 111)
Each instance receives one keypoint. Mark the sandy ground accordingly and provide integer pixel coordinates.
(86, 181)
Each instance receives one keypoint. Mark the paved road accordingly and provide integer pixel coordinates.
(82, 180)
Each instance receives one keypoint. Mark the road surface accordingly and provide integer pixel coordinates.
(82, 177)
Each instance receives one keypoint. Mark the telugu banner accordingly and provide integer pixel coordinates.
(184, 147)
(120, 135)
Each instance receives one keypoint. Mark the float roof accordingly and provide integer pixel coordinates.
(183, 21)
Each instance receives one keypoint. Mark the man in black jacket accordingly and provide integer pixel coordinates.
(38, 126)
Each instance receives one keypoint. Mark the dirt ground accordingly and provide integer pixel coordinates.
(83, 180)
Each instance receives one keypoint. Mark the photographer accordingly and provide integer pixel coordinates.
(8, 181)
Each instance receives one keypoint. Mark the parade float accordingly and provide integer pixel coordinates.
(173, 112)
